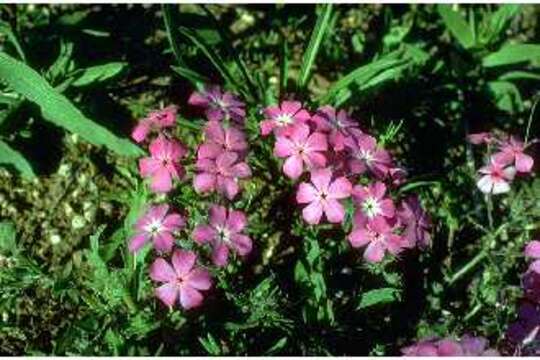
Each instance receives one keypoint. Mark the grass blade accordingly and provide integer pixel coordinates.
(14, 158)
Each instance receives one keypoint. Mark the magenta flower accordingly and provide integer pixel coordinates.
(225, 233)
(512, 153)
(365, 155)
(221, 174)
(219, 140)
(378, 235)
(282, 119)
(526, 329)
(299, 149)
(496, 178)
(163, 164)
(531, 282)
(468, 346)
(323, 196)
(183, 280)
(157, 225)
(372, 202)
(155, 121)
(481, 138)
(340, 127)
(416, 221)
(219, 105)
(533, 249)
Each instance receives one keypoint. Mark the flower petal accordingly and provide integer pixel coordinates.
(167, 293)
(242, 243)
(374, 252)
(163, 241)
(341, 188)
(306, 193)
(189, 297)
(204, 182)
(183, 261)
(161, 181)
(203, 234)
(313, 213)
(334, 211)
(321, 178)
(137, 242)
(533, 249)
(199, 279)
(293, 167)
(359, 238)
(220, 255)
(237, 221)
(161, 271)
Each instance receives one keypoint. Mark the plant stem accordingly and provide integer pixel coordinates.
(530, 121)
(489, 207)
(468, 267)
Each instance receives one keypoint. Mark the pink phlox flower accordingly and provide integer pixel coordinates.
(221, 174)
(511, 152)
(323, 196)
(496, 178)
(157, 225)
(377, 234)
(532, 249)
(301, 147)
(531, 282)
(155, 121)
(371, 201)
(481, 138)
(225, 232)
(163, 165)
(416, 221)
(338, 125)
(219, 139)
(282, 119)
(182, 281)
(366, 155)
(219, 105)
(467, 346)
(397, 175)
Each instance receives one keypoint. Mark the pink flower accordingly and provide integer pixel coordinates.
(416, 221)
(323, 196)
(378, 235)
(157, 225)
(219, 105)
(340, 127)
(365, 155)
(512, 153)
(155, 121)
(372, 202)
(531, 282)
(481, 138)
(299, 149)
(163, 164)
(221, 174)
(526, 330)
(467, 346)
(183, 280)
(533, 249)
(496, 178)
(219, 139)
(225, 233)
(282, 119)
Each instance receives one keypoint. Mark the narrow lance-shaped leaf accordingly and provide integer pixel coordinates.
(320, 29)
(57, 109)
(96, 74)
(14, 158)
(513, 54)
(457, 25)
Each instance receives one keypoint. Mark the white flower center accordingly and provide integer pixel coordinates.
(223, 234)
(371, 207)
(283, 119)
(154, 227)
(365, 155)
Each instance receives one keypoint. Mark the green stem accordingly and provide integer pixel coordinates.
(530, 121)
(489, 208)
(468, 267)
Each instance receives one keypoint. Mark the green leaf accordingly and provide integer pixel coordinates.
(97, 73)
(320, 29)
(8, 234)
(14, 158)
(506, 96)
(57, 109)
(210, 345)
(497, 22)
(457, 25)
(280, 344)
(512, 54)
(194, 77)
(378, 296)
(5, 28)
(519, 75)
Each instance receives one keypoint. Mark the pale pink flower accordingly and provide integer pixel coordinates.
(481, 138)
(533, 249)
(182, 281)
(372, 201)
(163, 164)
(225, 233)
(157, 225)
(302, 147)
(496, 178)
(155, 121)
(511, 152)
(219, 139)
(366, 155)
(467, 346)
(378, 235)
(282, 119)
(339, 126)
(219, 105)
(221, 174)
(323, 196)
(416, 221)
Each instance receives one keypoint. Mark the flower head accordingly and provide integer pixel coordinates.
(155, 121)
(378, 235)
(511, 152)
(338, 125)
(372, 202)
(301, 147)
(157, 225)
(219, 105)
(323, 196)
(467, 346)
(283, 118)
(221, 174)
(496, 178)
(366, 155)
(416, 221)
(225, 233)
(182, 281)
(219, 139)
(163, 164)
(481, 138)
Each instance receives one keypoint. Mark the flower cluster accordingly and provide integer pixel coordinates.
(508, 160)
(524, 334)
(466, 346)
(331, 147)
